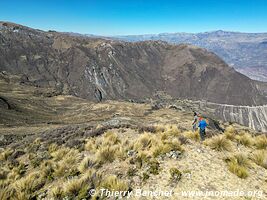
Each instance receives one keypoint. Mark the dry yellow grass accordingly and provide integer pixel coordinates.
(87, 163)
(91, 145)
(261, 142)
(219, 143)
(26, 186)
(161, 149)
(145, 141)
(5, 154)
(110, 138)
(230, 132)
(73, 186)
(245, 139)
(114, 184)
(56, 192)
(172, 130)
(238, 164)
(193, 135)
(106, 154)
(260, 158)
(53, 147)
(60, 153)
(238, 170)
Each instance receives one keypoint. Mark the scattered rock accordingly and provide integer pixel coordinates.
(174, 154)
(131, 153)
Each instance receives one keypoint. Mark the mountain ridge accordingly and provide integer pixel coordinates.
(96, 68)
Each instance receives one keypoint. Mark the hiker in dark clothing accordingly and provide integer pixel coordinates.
(194, 124)
(202, 128)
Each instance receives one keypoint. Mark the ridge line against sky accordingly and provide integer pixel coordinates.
(139, 17)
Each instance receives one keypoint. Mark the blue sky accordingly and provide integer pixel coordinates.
(122, 17)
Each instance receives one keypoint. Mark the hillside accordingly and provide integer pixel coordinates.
(56, 146)
(98, 69)
(243, 51)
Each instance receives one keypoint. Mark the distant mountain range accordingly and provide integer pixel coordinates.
(108, 69)
(246, 52)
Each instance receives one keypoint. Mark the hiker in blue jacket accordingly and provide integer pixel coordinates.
(202, 128)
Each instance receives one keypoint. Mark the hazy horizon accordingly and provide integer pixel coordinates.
(141, 34)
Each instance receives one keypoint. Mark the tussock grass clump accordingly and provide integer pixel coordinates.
(230, 132)
(163, 136)
(26, 186)
(112, 183)
(193, 135)
(169, 131)
(220, 143)
(145, 141)
(141, 159)
(245, 139)
(57, 192)
(76, 188)
(166, 147)
(161, 149)
(106, 154)
(242, 159)
(238, 164)
(111, 138)
(73, 186)
(172, 130)
(47, 169)
(86, 164)
(160, 128)
(260, 158)
(91, 145)
(121, 153)
(238, 170)
(261, 142)
(5, 154)
(68, 165)
(175, 144)
(60, 153)
(53, 147)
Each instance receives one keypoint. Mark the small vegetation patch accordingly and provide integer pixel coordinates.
(245, 139)
(260, 158)
(220, 143)
(238, 165)
(261, 142)
(106, 154)
(193, 135)
(230, 132)
(175, 174)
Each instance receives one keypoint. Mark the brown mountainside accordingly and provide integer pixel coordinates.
(93, 68)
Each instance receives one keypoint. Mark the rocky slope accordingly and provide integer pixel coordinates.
(61, 147)
(103, 69)
(240, 50)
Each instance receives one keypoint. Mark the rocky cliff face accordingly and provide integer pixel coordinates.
(254, 117)
(104, 69)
